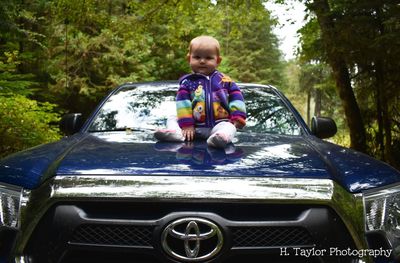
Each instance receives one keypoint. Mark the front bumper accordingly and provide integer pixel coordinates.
(312, 210)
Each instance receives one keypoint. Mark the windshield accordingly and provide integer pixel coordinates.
(148, 107)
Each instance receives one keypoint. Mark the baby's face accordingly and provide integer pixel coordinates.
(204, 59)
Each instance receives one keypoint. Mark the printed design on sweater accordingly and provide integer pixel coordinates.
(204, 101)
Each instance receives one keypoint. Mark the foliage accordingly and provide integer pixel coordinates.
(147, 40)
(255, 57)
(10, 81)
(292, 89)
(365, 38)
(70, 53)
(25, 123)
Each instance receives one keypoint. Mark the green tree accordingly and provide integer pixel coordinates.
(147, 40)
(358, 39)
(24, 122)
(249, 45)
(71, 52)
(336, 58)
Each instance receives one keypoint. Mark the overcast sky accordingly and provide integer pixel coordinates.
(291, 18)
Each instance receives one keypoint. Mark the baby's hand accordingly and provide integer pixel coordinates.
(188, 133)
(238, 124)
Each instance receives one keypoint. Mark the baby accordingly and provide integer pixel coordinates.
(209, 104)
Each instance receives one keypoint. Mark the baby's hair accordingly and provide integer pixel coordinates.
(201, 39)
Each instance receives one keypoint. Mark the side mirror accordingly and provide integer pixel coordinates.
(71, 123)
(323, 127)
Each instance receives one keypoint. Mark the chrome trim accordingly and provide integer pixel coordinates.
(22, 259)
(194, 189)
(387, 189)
(191, 254)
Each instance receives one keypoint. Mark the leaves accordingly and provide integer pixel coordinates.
(11, 82)
(25, 123)
(366, 36)
(148, 40)
(72, 52)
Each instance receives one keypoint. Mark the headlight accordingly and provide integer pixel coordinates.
(382, 213)
(10, 202)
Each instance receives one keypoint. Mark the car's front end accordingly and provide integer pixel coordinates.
(96, 218)
(99, 218)
(113, 194)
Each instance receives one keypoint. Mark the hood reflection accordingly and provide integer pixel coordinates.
(199, 155)
(267, 157)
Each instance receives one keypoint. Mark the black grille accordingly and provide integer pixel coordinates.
(130, 235)
(119, 235)
(111, 232)
(270, 236)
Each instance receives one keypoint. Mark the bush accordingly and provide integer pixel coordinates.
(25, 123)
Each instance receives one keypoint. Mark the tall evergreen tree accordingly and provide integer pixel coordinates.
(249, 45)
(358, 39)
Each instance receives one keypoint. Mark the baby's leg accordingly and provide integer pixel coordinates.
(172, 133)
(222, 134)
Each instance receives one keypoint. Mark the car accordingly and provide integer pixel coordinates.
(109, 192)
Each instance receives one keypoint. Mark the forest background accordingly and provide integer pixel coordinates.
(62, 56)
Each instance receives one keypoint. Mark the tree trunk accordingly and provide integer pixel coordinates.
(384, 123)
(383, 97)
(309, 108)
(379, 135)
(318, 103)
(341, 74)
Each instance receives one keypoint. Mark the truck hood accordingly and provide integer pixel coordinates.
(119, 153)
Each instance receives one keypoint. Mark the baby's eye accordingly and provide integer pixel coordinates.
(196, 57)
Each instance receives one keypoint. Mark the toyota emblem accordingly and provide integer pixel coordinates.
(192, 239)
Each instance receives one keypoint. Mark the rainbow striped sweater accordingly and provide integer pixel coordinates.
(203, 101)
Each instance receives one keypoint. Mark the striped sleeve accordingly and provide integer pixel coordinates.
(236, 104)
(184, 107)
